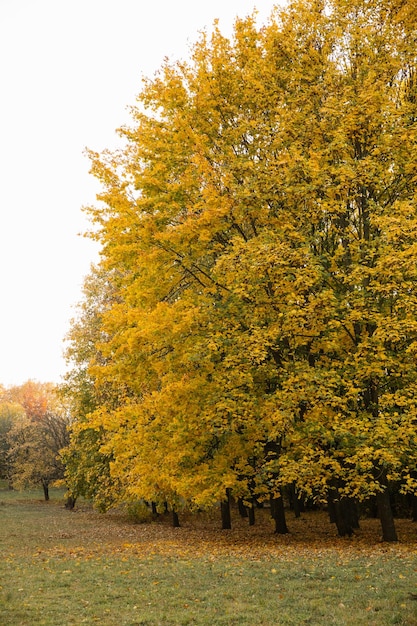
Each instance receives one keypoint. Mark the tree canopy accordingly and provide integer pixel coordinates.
(258, 232)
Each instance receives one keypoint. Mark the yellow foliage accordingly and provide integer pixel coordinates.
(256, 325)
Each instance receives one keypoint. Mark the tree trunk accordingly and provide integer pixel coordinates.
(278, 515)
(70, 503)
(175, 519)
(352, 513)
(340, 510)
(385, 516)
(295, 501)
(331, 509)
(242, 509)
(225, 513)
(343, 521)
(45, 487)
(373, 507)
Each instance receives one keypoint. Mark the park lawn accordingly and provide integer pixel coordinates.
(60, 567)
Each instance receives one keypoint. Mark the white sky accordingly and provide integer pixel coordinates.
(68, 72)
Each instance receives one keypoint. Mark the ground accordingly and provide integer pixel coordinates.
(61, 567)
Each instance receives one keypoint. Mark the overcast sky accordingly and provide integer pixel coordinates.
(69, 71)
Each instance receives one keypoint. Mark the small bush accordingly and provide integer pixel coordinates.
(138, 512)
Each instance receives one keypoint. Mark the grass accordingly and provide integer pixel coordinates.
(60, 568)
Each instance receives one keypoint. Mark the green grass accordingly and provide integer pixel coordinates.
(60, 568)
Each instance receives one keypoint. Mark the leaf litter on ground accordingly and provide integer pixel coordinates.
(85, 533)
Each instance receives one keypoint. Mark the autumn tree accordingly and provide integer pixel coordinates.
(260, 225)
(10, 414)
(37, 436)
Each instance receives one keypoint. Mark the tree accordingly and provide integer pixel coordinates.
(10, 414)
(261, 222)
(37, 436)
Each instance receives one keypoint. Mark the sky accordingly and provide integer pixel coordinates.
(69, 71)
